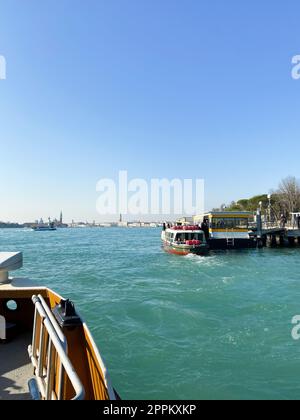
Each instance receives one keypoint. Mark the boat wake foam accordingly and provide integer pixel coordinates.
(205, 260)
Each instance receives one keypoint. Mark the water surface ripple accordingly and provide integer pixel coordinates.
(176, 327)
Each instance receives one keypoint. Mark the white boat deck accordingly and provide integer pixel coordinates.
(15, 369)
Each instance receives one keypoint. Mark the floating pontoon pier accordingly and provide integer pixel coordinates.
(274, 234)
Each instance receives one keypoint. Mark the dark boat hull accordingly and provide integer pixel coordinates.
(44, 229)
(223, 244)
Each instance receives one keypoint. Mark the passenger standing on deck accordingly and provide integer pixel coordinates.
(205, 228)
(298, 221)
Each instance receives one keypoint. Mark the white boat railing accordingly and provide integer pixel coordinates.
(49, 357)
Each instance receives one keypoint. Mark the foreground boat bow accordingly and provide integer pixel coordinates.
(41, 332)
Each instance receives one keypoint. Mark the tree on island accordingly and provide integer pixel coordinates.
(288, 195)
(285, 200)
(251, 204)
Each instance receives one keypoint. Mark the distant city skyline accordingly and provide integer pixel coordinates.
(162, 89)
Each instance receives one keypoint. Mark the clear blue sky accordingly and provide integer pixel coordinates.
(189, 89)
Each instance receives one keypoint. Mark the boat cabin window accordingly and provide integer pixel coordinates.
(230, 223)
(12, 305)
(182, 237)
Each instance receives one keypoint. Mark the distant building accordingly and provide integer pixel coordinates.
(122, 224)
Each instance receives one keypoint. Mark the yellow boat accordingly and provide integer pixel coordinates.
(46, 350)
(228, 230)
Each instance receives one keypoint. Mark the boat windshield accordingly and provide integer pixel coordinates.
(169, 236)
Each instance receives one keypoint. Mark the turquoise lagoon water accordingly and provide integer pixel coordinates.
(168, 327)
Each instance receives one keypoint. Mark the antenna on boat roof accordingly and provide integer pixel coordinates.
(9, 261)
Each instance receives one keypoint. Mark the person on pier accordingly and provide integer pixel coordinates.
(283, 221)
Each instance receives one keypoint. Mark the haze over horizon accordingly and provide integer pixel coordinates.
(162, 89)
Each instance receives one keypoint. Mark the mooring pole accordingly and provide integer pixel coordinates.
(259, 229)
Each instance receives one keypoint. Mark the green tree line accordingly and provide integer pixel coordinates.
(284, 200)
